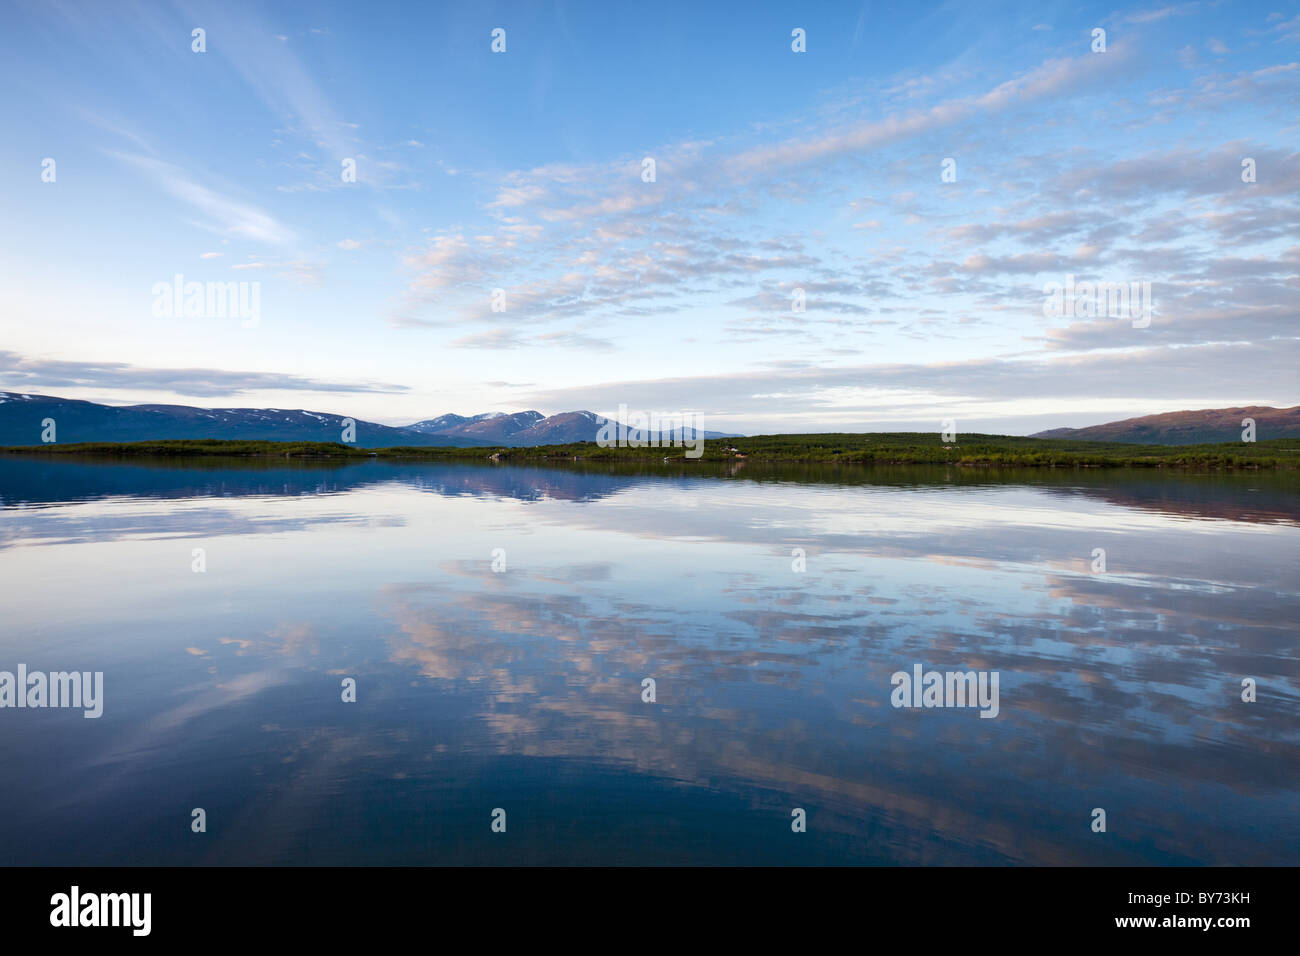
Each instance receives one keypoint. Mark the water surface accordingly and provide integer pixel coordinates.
(521, 688)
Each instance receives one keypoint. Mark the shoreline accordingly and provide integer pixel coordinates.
(893, 449)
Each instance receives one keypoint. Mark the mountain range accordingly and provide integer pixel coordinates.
(22, 415)
(1202, 427)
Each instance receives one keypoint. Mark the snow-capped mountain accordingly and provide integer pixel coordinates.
(22, 416)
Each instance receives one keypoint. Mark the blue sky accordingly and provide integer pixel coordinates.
(774, 171)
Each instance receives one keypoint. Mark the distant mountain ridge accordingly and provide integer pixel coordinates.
(526, 429)
(494, 428)
(22, 414)
(1204, 426)
(435, 425)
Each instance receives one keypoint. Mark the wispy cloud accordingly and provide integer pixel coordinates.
(21, 373)
(223, 214)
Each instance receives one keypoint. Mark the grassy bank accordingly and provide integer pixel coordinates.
(892, 448)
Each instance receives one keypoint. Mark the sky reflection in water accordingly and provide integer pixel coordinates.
(522, 689)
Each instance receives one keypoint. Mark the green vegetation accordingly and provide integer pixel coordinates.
(883, 448)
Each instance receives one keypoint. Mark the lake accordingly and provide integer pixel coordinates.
(500, 622)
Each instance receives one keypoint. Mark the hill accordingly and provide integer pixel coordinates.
(21, 416)
(1206, 426)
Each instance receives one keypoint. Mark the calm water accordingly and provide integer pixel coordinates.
(522, 689)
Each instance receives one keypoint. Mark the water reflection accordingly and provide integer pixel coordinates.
(522, 688)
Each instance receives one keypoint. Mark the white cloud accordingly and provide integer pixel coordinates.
(225, 214)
